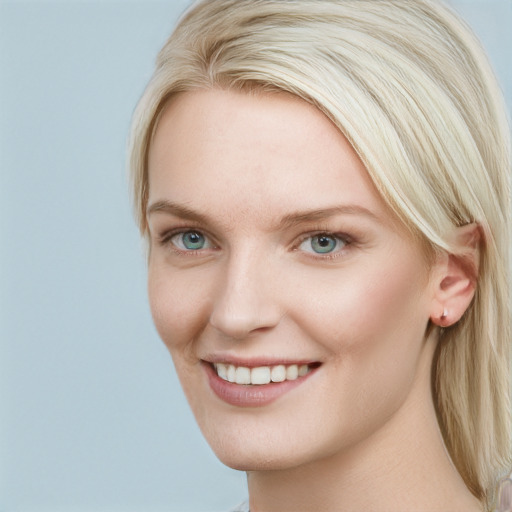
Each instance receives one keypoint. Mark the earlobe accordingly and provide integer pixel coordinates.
(444, 319)
(455, 277)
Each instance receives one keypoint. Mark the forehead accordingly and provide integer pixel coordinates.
(254, 154)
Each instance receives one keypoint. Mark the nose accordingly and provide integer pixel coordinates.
(246, 300)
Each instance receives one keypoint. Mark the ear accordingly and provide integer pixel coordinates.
(455, 276)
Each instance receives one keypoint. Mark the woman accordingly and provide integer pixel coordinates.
(324, 187)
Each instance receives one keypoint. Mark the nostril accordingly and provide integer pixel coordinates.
(241, 326)
(242, 304)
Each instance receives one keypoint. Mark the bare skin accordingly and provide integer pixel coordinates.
(271, 246)
(403, 467)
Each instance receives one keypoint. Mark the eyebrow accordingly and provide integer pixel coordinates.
(301, 217)
(179, 210)
(289, 220)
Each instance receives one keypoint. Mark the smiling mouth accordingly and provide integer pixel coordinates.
(262, 375)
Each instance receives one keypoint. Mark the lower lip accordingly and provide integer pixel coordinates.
(249, 395)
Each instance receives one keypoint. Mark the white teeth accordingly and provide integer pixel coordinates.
(243, 375)
(222, 371)
(278, 373)
(260, 375)
(231, 374)
(292, 372)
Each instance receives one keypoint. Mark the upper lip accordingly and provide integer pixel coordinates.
(255, 362)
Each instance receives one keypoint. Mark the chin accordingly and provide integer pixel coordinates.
(243, 454)
(263, 450)
(256, 461)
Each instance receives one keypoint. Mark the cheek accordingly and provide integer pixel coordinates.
(372, 323)
(179, 303)
(373, 326)
(372, 304)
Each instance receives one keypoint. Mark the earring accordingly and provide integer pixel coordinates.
(443, 317)
(442, 320)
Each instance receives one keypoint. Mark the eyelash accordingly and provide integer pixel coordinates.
(345, 239)
(165, 240)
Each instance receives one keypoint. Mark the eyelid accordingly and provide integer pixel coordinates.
(165, 240)
(346, 239)
(178, 240)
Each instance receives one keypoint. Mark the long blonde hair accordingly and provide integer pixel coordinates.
(410, 87)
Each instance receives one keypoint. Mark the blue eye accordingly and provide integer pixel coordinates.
(190, 241)
(322, 244)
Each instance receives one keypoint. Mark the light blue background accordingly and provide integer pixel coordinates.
(91, 414)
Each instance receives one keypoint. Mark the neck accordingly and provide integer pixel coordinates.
(402, 467)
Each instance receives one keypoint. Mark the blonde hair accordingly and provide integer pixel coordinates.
(410, 87)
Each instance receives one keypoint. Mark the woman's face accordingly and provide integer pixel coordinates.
(273, 257)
